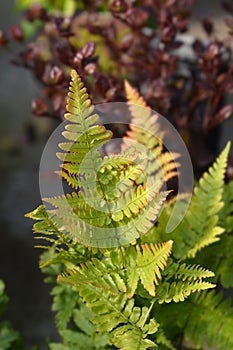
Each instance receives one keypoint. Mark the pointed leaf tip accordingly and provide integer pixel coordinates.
(228, 146)
(73, 74)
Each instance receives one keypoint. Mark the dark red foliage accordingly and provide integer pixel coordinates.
(16, 33)
(225, 112)
(228, 6)
(39, 107)
(139, 41)
(208, 25)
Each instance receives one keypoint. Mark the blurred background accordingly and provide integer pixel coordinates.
(22, 139)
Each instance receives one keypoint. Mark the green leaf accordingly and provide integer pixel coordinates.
(145, 263)
(64, 303)
(129, 338)
(200, 227)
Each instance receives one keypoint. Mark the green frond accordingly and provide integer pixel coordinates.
(99, 273)
(200, 227)
(59, 248)
(135, 212)
(126, 338)
(9, 338)
(224, 261)
(211, 320)
(3, 297)
(104, 292)
(192, 272)
(85, 135)
(113, 192)
(162, 340)
(182, 282)
(218, 257)
(114, 284)
(83, 334)
(64, 302)
(45, 226)
(56, 346)
(226, 214)
(145, 263)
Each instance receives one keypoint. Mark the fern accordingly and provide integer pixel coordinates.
(84, 133)
(218, 256)
(105, 286)
(118, 207)
(61, 249)
(110, 306)
(183, 281)
(201, 226)
(144, 263)
(214, 326)
(163, 341)
(146, 131)
(226, 214)
(9, 338)
(119, 285)
(64, 302)
(83, 335)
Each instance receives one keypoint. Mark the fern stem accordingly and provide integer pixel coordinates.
(122, 255)
(149, 311)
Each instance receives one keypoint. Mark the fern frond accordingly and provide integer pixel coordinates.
(126, 338)
(45, 225)
(145, 263)
(59, 248)
(99, 274)
(85, 135)
(200, 227)
(224, 261)
(226, 214)
(138, 107)
(139, 208)
(218, 257)
(186, 279)
(83, 334)
(161, 339)
(104, 293)
(211, 320)
(64, 302)
(145, 129)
